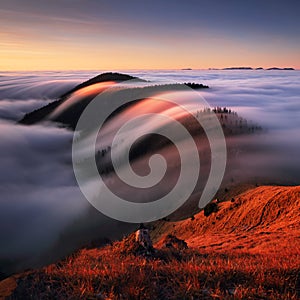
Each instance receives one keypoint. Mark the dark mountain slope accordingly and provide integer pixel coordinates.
(43, 112)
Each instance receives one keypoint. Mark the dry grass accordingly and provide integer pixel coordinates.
(229, 257)
(112, 273)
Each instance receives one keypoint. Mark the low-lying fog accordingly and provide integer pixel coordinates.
(42, 210)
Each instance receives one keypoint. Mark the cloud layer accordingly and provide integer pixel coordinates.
(41, 206)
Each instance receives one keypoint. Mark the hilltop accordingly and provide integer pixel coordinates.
(42, 113)
(247, 249)
(68, 108)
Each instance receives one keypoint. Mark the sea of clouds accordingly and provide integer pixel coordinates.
(41, 206)
(268, 98)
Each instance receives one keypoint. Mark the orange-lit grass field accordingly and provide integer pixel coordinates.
(107, 274)
(249, 249)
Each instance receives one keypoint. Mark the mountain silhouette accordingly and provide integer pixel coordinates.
(68, 108)
(42, 113)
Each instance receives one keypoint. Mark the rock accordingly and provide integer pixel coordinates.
(171, 241)
(210, 208)
(142, 237)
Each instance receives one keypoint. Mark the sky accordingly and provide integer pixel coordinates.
(115, 34)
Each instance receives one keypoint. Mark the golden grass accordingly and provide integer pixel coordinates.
(222, 262)
(113, 273)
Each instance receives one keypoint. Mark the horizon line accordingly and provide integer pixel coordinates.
(152, 69)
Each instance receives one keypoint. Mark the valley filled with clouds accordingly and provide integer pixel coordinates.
(41, 203)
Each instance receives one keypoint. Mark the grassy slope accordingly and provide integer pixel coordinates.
(256, 221)
(249, 249)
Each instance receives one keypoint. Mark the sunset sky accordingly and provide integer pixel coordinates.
(168, 34)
